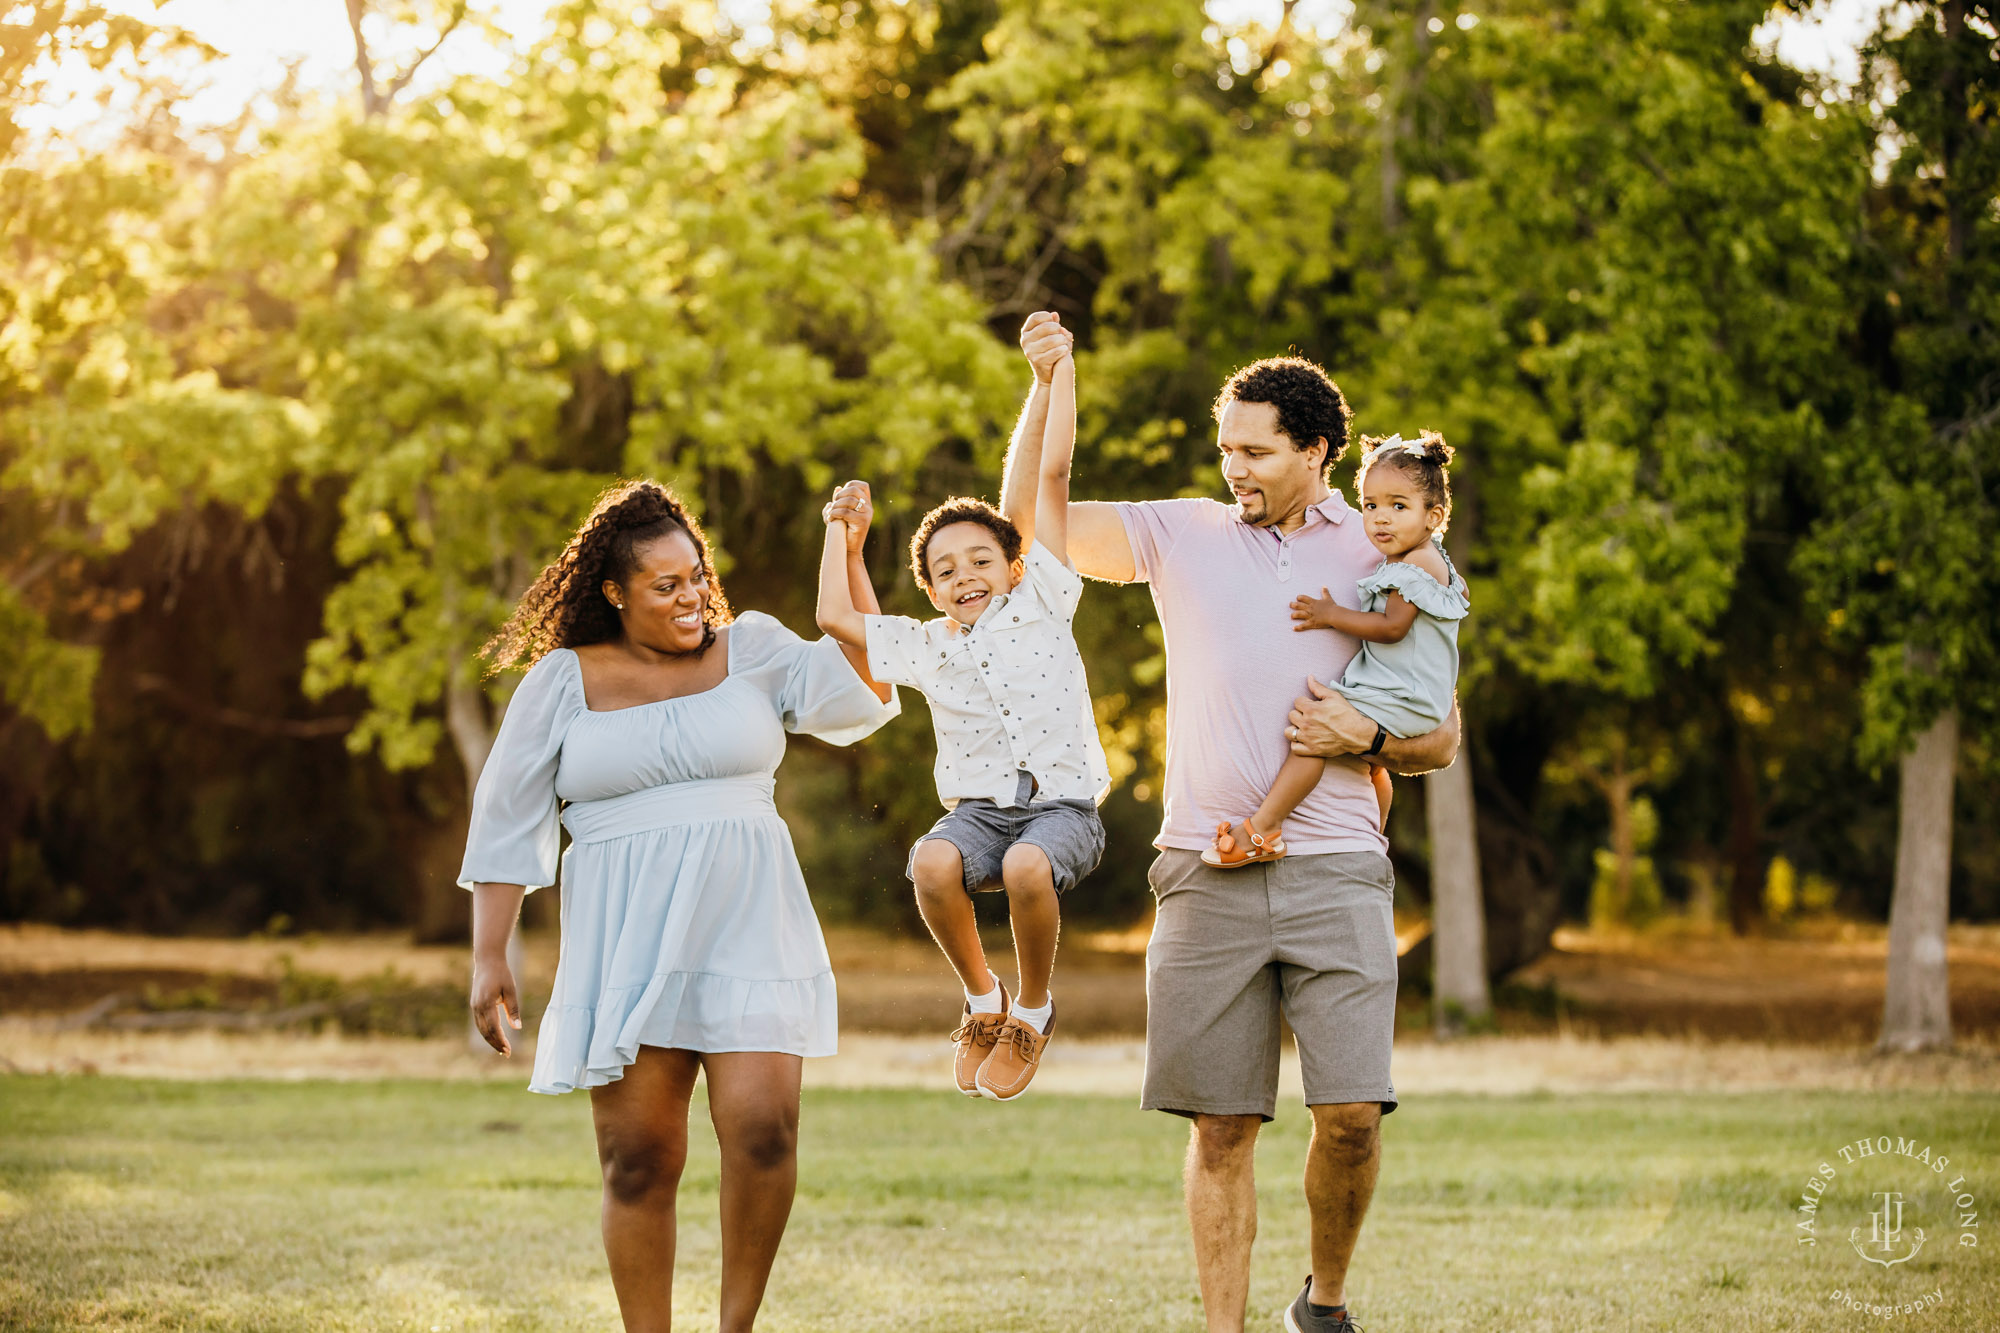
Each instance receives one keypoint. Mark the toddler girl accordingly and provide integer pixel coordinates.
(1404, 676)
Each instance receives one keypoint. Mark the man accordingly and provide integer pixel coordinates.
(1311, 935)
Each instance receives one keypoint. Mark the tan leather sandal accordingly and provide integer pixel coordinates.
(1226, 855)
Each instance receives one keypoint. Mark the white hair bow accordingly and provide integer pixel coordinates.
(1398, 442)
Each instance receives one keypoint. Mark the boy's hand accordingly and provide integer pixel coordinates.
(1044, 341)
(1309, 612)
(852, 506)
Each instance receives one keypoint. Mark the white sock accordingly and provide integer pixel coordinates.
(1038, 1019)
(988, 1003)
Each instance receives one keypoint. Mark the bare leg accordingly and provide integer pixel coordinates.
(947, 910)
(1221, 1184)
(1384, 792)
(1032, 905)
(753, 1101)
(1297, 776)
(641, 1123)
(1341, 1166)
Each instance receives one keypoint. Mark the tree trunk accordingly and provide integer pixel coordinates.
(444, 911)
(1624, 841)
(1917, 1010)
(1458, 912)
(1746, 837)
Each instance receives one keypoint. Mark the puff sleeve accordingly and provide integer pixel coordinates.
(813, 686)
(516, 830)
(1419, 589)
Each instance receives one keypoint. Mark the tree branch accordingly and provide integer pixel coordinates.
(371, 104)
(147, 682)
(402, 80)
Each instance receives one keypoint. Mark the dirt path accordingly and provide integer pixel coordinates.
(1822, 986)
(1815, 987)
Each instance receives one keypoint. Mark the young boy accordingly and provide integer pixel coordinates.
(1019, 766)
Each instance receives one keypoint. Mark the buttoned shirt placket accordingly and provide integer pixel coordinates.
(1285, 539)
(985, 652)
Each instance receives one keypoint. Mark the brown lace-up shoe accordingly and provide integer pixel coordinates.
(975, 1036)
(1016, 1055)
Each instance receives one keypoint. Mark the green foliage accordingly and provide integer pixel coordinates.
(1723, 399)
(1903, 559)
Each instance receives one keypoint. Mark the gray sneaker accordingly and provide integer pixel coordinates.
(1299, 1316)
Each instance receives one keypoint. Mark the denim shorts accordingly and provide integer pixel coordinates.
(1069, 833)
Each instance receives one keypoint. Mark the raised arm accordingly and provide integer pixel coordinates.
(1058, 446)
(1043, 341)
(837, 615)
(1098, 546)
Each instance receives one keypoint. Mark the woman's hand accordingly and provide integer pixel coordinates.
(851, 505)
(496, 1005)
(1310, 612)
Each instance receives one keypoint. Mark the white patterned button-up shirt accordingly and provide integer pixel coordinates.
(1008, 695)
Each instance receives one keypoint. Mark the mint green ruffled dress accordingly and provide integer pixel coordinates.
(1408, 686)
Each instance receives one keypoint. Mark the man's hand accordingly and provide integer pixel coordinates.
(1044, 341)
(1330, 727)
(851, 505)
(1325, 724)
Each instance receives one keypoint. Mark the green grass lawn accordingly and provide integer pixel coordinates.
(474, 1206)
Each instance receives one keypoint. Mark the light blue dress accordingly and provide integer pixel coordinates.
(685, 920)
(1408, 686)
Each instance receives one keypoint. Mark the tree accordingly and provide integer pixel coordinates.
(105, 427)
(1903, 557)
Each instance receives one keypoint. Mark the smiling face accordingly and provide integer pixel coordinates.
(968, 570)
(1272, 479)
(663, 603)
(1399, 517)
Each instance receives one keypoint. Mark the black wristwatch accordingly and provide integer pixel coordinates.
(1381, 734)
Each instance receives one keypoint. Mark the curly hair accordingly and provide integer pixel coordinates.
(1309, 403)
(961, 509)
(565, 607)
(1425, 460)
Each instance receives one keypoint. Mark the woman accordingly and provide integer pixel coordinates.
(653, 723)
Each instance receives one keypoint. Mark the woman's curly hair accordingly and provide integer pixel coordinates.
(565, 607)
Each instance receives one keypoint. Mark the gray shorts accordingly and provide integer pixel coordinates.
(1069, 833)
(1311, 937)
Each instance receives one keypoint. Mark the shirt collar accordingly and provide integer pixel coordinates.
(1333, 509)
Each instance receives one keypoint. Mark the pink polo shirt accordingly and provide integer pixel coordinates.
(1224, 590)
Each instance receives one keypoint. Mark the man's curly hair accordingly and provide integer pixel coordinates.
(961, 509)
(1309, 403)
(565, 607)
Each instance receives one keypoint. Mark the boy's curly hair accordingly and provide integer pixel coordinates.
(565, 607)
(1309, 403)
(961, 509)
(1425, 460)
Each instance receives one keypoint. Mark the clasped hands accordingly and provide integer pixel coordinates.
(852, 505)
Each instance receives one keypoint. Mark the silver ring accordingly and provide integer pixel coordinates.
(1291, 733)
